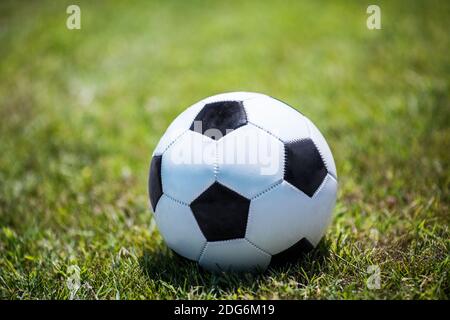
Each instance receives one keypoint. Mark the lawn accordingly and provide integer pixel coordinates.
(82, 110)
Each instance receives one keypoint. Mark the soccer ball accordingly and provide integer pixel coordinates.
(240, 181)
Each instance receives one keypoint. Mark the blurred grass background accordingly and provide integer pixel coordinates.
(82, 110)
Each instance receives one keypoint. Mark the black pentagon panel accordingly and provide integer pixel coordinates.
(221, 213)
(222, 116)
(291, 254)
(304, 167)
(154, 181)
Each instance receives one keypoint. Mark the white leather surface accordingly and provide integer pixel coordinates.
(284, 215)
(250, 160)
(233, 255)
(179, 228)
(188, 165)
(277, 118)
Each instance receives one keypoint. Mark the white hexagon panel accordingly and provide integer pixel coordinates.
(277, 118)
(233, 255)
(250, 160)
(179, 228)
(177, 127)
(284, 215)
(188, 166)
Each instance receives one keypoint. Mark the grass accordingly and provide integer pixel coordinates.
(81, 111)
